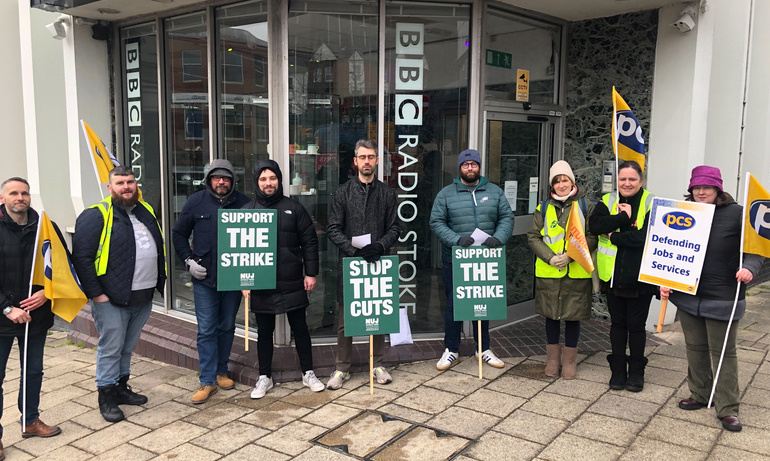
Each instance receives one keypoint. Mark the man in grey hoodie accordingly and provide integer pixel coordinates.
(214, 310)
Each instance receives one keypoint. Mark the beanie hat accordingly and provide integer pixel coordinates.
(561, 168)
(705, 176)
(468, 155)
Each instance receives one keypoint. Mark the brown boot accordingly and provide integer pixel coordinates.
(568, 362)
(552, 364)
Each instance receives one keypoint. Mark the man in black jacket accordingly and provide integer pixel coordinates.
(362, 206)
(214, 310)
(118, 253)
(18, 227)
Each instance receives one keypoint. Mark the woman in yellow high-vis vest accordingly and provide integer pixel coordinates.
(562, 287)
(620, 220)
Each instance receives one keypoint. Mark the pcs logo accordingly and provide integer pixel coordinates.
(678, 220)
(759, 217)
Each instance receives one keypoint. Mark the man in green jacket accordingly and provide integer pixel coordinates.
(471, 202)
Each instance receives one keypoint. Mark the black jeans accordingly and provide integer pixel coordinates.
(265, 328)
(628, 318)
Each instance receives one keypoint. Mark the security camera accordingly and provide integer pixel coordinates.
(685, 23)
(57, 29)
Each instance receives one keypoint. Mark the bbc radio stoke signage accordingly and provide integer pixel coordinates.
(479, 287)
(247, 242)
(370, 296)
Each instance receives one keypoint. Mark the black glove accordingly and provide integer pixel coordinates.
(465, 241)
(492, 242)
(371, 252)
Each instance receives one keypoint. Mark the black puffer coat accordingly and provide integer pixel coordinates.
(116, 283)
(297, 252)
(17, 243)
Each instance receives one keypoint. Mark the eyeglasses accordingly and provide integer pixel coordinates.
(364, 158)
(218, 178)
(469, 165)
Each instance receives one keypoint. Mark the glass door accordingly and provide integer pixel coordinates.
(519, 152)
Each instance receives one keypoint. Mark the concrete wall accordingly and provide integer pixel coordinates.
(12, 156)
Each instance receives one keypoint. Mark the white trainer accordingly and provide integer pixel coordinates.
(448, 359)
(309, 380)
(336, 380)
(263, 385)
(382, 376)
(489, 357)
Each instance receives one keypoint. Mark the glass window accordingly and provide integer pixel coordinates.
(426, 95)
(188, 130)
(232, 66)
(242, 63)
(191, 66)
(513, 42)
(328, 113)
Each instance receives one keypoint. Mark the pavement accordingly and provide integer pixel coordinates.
(511, 413)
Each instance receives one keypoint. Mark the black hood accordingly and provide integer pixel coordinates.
(262, 165)
(215, 165)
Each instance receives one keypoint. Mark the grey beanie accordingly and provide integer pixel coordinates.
(468, 155)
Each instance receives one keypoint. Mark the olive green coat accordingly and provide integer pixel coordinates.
(561, 298)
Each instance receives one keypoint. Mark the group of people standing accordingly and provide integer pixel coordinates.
(120, 258)
(616, 227)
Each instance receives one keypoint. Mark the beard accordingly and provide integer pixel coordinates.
(469, 177)
(125, 202)
(222, 190)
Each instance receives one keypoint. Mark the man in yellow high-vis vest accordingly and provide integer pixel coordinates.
(119, 256)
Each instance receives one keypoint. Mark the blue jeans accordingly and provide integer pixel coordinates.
(215, 311)
(119, 329)
(36, 345)
(452, 329)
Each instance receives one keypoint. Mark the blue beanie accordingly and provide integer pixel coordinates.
(468, 155)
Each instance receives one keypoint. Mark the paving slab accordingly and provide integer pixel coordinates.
(127, 452)
(676, 431)
(331, 415)
(491, 402)
(163, 414)
(168, 437)
(494, 446)
(317, 453)
(275, 415)
(408, 414)
(218, 415)
(644, 449)
(556, 406)
(292, 439)
(422, 444)
(188, 452)
(463, 421)
(110, 437)
(254, 452)
(532, 426)
(517, 385)
(428, 399)
(620, 432)
(749, 439)
(230, 437)
(622, 407)
(364, 434)
(569, 447)
(459, 383)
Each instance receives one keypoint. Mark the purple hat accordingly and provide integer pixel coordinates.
(705, 176)
(468, 155)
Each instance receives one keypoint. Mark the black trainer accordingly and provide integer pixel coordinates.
(125, 396)
(108, 406)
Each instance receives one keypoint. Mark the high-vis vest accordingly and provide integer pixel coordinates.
(103, 252)
(606, 252)
(555, 237)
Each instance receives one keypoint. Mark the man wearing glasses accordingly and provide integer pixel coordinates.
(471, 202)
(214, 310)
(362, 206)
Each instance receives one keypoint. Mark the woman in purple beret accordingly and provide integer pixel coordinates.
(705, 315)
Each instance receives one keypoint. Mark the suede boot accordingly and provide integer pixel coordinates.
(568, 362)
(125, 396)
(635, 382)
(619, 369)
(108, 404)
(553, 352)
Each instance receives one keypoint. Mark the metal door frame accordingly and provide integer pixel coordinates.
(551, 149)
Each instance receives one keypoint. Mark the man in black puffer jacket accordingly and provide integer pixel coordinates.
(297, 268)
(118, 253)
(361, 206)
(215, 311)
(18, 225)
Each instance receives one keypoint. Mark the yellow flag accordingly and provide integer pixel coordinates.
(627, 137)
(577, 246)
(103, 159)
(756, 230)
(53, 270)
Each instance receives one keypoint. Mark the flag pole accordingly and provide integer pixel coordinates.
(615, 149)
(26, 329)
(737, 293)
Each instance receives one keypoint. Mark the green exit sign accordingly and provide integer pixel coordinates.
(499, 59)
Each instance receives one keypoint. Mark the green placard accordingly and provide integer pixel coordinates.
(499, 59)
(478, 276)
(247, 242)
(371, 296)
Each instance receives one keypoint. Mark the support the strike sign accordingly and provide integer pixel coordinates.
(247, 241)
(370, 300)
(479, 286)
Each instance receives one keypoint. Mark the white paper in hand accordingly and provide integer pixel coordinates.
(360, 241)
(479, 237)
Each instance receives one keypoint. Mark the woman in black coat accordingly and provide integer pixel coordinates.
(296, 271)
